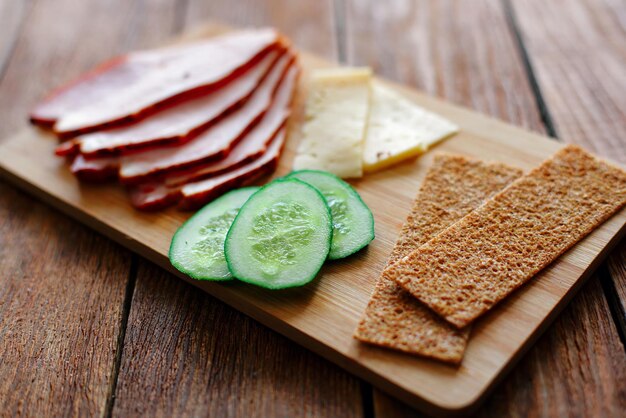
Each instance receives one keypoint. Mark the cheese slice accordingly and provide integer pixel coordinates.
(336, 121)
(398, 129)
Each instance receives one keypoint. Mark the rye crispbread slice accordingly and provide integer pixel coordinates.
(453, 187)
(478, 261)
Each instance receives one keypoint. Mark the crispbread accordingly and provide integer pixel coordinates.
(453, 187)
(476, 262)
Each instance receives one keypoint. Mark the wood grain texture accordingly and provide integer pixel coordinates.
(532, 389)
(579, 59)
(579, 55)
(574, 374)
(617, 285)
(578, 52)
(459, 51)
(466, 52)
(322, 316)
(187, 354)
(309, 24)
(62, 287)
(23, 90)
(12, 15)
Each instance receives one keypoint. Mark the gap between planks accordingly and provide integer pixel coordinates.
(604, 273)
(178, 25)
(615, 307)
(128, 301)
(607, 280)
(340, 22)
(542, 107)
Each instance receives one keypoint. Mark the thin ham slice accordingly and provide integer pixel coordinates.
(154, 196)
(196, 69)
(213, 144)
(255, 142)
(180, 123)
(116, 73)
(250, 147)
(110, 76)
(197, 194)
(158, 195)
(266, 138)
(95, 171)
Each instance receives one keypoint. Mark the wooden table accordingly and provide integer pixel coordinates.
(87, 328)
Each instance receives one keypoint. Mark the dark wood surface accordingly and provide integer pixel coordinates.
(87, 328)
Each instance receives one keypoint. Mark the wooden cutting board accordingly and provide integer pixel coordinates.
(323, 315)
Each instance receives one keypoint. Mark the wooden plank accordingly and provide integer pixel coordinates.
(12, 14)
(187, 354)
(184, 353)
(324, 319)
(462, 52)
(467, 53)
(579, 56)
(532, 389)
(308, 24)
(617, 286)
(578, 53)
(569, 373)
(63, 287)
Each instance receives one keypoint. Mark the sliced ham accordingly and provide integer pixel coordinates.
(251, 146)
(220, 112)
(94, 171)
(196, 69)
(256, 155)
(158, 195)
(213, 144)
(67, 148)
(154, 196)
(197, 194)
(115, 74)
(108, 77)
(266, 138)
(179, 123)
(254, 144)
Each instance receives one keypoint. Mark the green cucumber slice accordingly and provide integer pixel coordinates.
(281, 236)
(353, 222)
(197, 247)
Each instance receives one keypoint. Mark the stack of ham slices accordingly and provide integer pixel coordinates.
(178, 125)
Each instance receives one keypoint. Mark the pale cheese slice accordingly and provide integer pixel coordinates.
(336, 121)
(399, 129)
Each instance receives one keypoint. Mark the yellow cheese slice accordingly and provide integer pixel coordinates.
(398, 129)
(336, 121)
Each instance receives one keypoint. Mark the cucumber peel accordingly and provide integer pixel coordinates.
(281, 236)
(197, 247)
(353, 222)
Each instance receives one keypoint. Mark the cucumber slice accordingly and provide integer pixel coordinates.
(197, 247)
(353, 222)
(281, 236)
